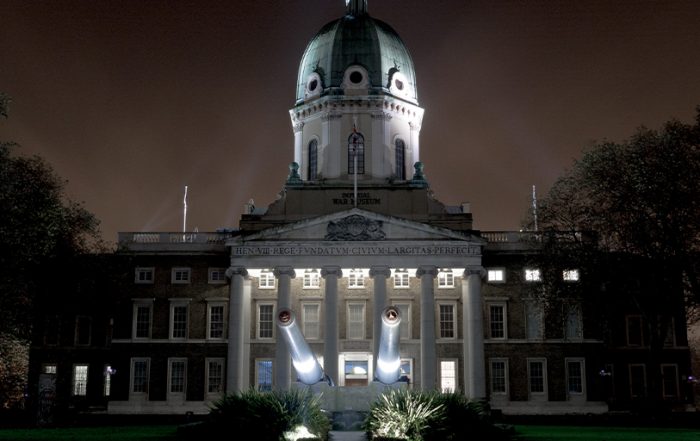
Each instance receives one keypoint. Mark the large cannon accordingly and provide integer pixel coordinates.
(308, 369)
(388, 359)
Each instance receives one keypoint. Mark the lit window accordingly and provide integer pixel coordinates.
(497, 321)
(139, 375)
(80, 379)
(178, 321)
(405, 325)
(215, 375)
(356, 153)
(265, 320)
(107, 389)
(216, 321)
(571, 275)
(447, 320)
(83, 329)
(176, 380)
(312, 279)
(48, 369)
(669, 380)
(356, 372)
(575, 378)
(180, 276)
(356, 279)
(401, 279)
(446, 279)
(356, 321)
(448, 375)
(537, 376)
(263, 375)
(499, 376)
(311, 320)
(142, 319)
(144, 275)
(532, 275)
(496, 275)
(217, 276)
(266, 280)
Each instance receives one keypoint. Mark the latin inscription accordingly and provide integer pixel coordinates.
(362, 199)
(417, 250)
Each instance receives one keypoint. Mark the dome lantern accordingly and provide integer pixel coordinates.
(356, 7)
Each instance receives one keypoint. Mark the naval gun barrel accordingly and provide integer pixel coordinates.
(308, 369)
(388, 359)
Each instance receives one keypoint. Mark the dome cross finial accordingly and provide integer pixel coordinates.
(356, 7)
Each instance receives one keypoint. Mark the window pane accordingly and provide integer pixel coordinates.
(448, 376)
(447, 321)
(536, 376)
(533, 319)
(356, 321)
(179, 321)
(140, 376)
(177, 377)
(498, 376)
(143, 321)
(497, 325)
(265, 321)
(400, 162)
(215, 376)
(80, 377)
(313, 160)
(311, 321)
(263, 369)
(575, 377)
(405, 325)
(216, 322)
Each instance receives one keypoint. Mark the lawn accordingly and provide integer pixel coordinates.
(573, 433)
(131, 433)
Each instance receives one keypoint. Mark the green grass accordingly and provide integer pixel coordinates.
(131, 433)
(572, 433)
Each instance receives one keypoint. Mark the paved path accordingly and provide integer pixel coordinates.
(347, 436)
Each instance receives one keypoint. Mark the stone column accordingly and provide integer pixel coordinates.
(473, 330)
(283, 359)
(379, 274)
(428, 361)
(330, 324)
(237, 308)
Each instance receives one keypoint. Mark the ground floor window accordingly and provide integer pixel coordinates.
(537, 376)
(669, 378)
(80, 379)
(178, 373)
(139, 375)
(356, 372)
(263, 375)
(638, 380)
(499, 376)
(575, 376)
(448, 375)
(215, 375)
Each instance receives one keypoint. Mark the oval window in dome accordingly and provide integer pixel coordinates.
(356, 77)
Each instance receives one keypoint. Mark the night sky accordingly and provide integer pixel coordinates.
(131, 100)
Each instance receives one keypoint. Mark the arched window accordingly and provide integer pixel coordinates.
(400, 159)
(313, 160)
(356, 148)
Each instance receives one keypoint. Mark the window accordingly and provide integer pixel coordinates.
(638, 380)
(497, 321)
(448, 375)
(573, 327)
(532, 275)
(144, 275)
(400, 154)
(266, 280)
(80, 379)
(312, 279)
(570, 275)
(499, 376)
(496, 275)
(265, 320)
(216, 321)
(446, 279)
(178, 320)
(311, 320)
(537, 376)
(263, 375)
(48, 368)
(215, 375)
(180, 276)
(356, 372)
(356, 321)
(83, 329)
(401, 279)
(356, 153)
(139, 375)
(107, 387)
(52, 330)
(142, 319)
(217, 276)
(575, 376)
(447, 320)
(405, 325)
(177, 368)
(669, 380)
(634, 330)
(313, 160)
(406, 370)
(533, 320)
(356, 278)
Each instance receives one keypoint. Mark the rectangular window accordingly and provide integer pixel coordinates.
(406, 370)
(670, 340)
(537, 376)
(448, 375)
(634, 330)
(265, 320)
(446, 279)
(217, 276)
(532, 275)
(499, 376)
(356, 321)
(266, 280)
(107, 389)
(215, 375)
(497, 321)
(216, 321)
(575, 376)
(311, 320)
(180, 276)
(178, 373)
(263, 375)
(638, 380)
(83, 330)
(570, 275)
(405, 325)
(669, 381)
(496, 275)
(49, 368)
(447, 320)
(142, 319)
(401, 279)
(573, 326)
(533, 320)
(356, 372)
(312, 279)
(356, 279)
(52, 330)
(80, 379)
(178, 321)
(144, 275)
(139, 375)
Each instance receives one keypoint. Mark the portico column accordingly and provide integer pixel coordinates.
(283, 359)
(427, 327)
(330, 328)
(239, 305)
(474, 363)
(379, 274)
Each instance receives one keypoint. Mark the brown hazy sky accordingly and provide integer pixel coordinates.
(131, 100)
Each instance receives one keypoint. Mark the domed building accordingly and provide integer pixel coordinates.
(356, 229)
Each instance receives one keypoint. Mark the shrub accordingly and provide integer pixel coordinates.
(403, 414)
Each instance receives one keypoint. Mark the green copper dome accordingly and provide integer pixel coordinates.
(356, 40)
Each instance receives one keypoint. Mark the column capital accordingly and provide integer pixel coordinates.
(236, 271)
(474, 271)
(427, 270)
(284, 271)
(380, 271)
(331, 271)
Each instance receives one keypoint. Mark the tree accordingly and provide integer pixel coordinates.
(38, 226)
(641, 197)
